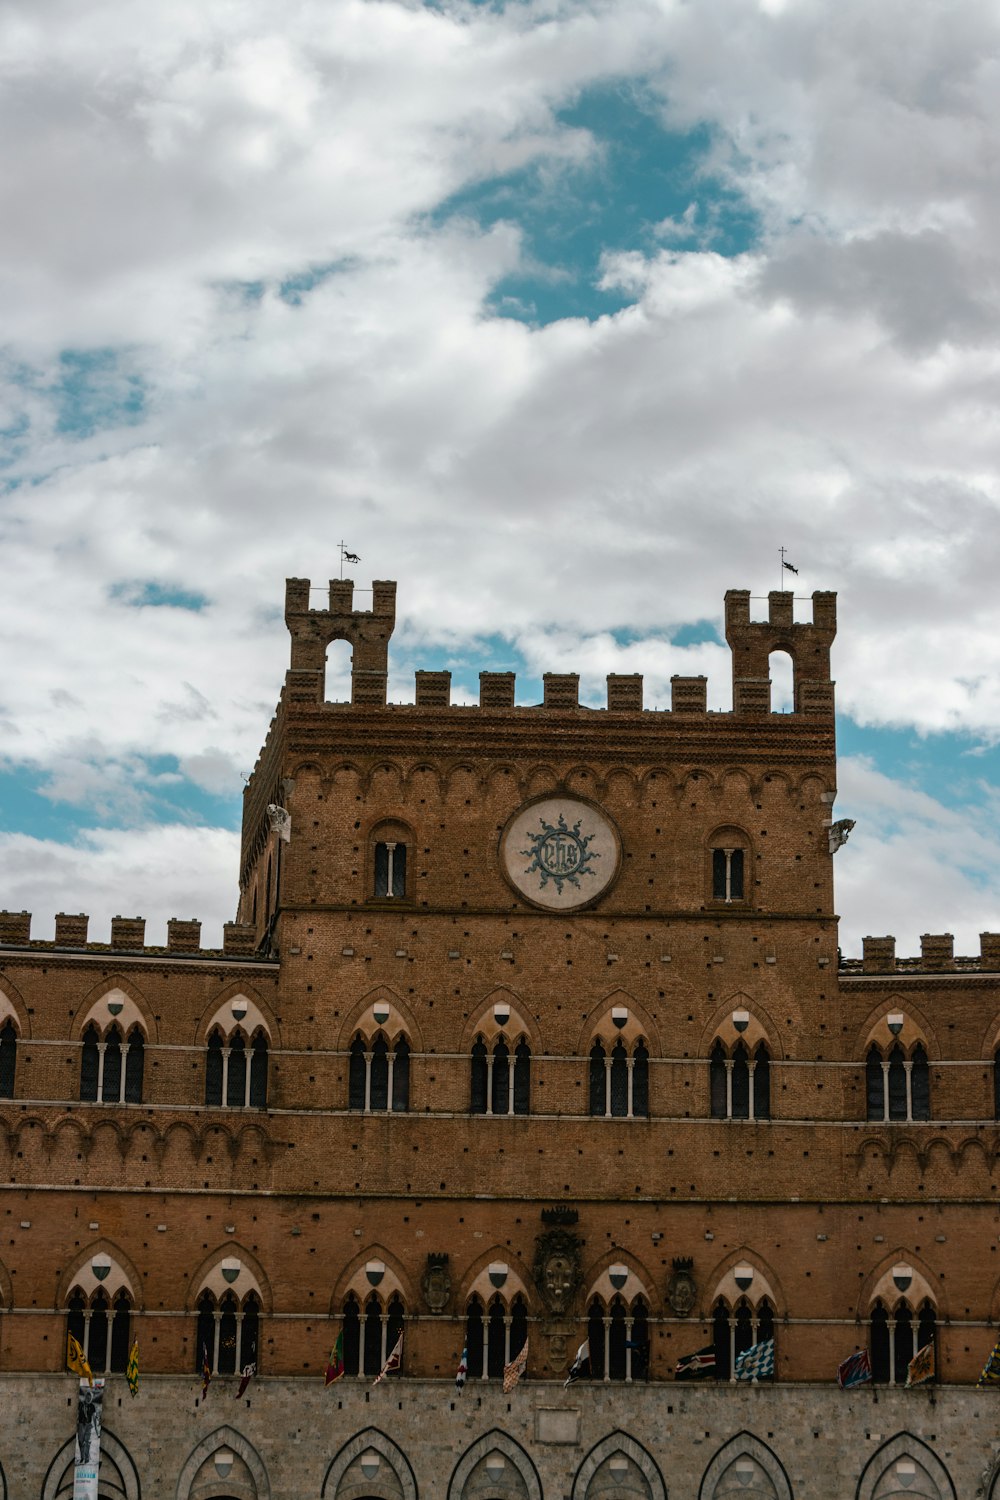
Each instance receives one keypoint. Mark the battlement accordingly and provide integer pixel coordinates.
(312, 630)
(128, 935)
(752, 643)
(937, 956)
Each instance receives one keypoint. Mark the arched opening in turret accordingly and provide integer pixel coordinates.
(339, 663)
(781, 673)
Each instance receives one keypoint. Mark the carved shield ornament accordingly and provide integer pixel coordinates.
(560, 853)
(682, 1292)
(557, 1268)
(436, 1283)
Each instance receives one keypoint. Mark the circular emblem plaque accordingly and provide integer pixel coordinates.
(560, 853)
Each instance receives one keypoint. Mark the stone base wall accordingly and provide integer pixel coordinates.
(420, 1440)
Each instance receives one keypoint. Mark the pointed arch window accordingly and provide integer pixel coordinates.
(352, 1335)
(213, 1071)
(897, 1087)
(740, 1084)
(619, 1080)
(228, 1332)
(89, 1063)
(737, 1329)
(379, 1076)
(474, 1342)
(895, 1335)
(102, 1329)
(597, 1088)
(618, 1336)
(8, 1058)
(235, 1075)
(236, 1080)
(371, 1332)
(258, 1072)
(111, 1067)
(497, 1087)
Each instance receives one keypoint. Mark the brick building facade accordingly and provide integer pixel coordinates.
(532, 1026)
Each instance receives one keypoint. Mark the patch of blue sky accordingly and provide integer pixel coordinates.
(295, 288)
(141, 593)
(957, 770)
(28, 806)
(95, 390)
(642, 188)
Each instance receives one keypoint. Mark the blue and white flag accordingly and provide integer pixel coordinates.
(757, 1363)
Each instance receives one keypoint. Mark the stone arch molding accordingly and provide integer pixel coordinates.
(768, 1482)
(878, 1478)
(495, 1441)
(400, 1486)
(584, 1487)
(223, 1437)
(58, 1483)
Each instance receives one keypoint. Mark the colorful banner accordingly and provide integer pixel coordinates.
(88, 1440)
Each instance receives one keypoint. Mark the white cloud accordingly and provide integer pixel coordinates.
(834, 389)
(156, 872)
(913, 865)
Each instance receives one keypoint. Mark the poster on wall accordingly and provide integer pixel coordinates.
(88, 1440)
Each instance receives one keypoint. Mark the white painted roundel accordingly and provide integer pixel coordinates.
(560, 853)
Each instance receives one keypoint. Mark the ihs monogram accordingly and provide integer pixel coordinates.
(560, 853)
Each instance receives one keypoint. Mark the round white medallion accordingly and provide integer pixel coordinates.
(560, 853)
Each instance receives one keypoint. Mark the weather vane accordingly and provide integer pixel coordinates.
(345, 556)
(786, 564)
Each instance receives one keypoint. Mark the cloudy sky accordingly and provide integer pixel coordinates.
(567, 315)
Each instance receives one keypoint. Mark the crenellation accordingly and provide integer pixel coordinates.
(71, 929)
(561, 689)
(433, 689)
(989, 950)
(183, 936)
(496, 689)
(937, 950)
(128, 933)
(15, 927)
(689, 695)
(625, 692)
(879, 954)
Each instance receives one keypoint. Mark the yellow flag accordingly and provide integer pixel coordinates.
(921, 1366)
(132, 1369)
(76, 1360)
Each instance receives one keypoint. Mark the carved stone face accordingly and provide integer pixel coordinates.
(558, 1278)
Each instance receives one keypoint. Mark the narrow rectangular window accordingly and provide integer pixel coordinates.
(718, 874)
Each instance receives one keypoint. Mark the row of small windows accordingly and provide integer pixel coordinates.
(228, 1333)
(897, 1086)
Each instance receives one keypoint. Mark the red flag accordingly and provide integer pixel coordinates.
(249, 1371)
(392, 1363)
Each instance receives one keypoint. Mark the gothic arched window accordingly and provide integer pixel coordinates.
(258, 1072)
(474, 1338)
(8, 1058)
(89, 1063)
(213, 1071)
(597, 1085)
